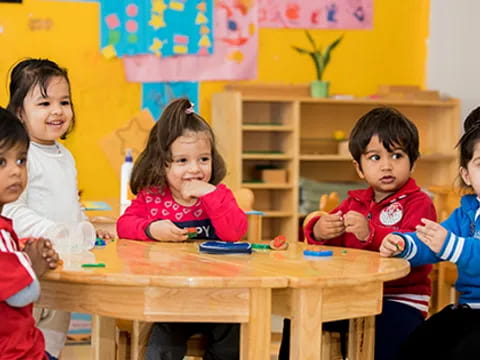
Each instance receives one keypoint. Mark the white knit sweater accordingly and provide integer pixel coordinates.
(51, 195)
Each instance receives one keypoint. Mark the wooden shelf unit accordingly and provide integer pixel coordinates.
(296, 134)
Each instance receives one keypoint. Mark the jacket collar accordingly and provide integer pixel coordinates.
(367, 195)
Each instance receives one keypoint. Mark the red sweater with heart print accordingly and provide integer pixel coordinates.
(215, 215)
(399, 212)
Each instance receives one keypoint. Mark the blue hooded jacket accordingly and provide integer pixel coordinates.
(461, 246)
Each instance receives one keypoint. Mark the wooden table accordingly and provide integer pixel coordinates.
(347, 285)
(173, 282)
(161, 282)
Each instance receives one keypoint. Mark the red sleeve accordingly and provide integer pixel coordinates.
(229, 221)
(418, 207)
(15, 273)
(134, 221)
(308, 228)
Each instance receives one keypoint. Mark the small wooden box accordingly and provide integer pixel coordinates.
(277, 176)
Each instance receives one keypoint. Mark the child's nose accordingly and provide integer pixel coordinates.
(57, 109)
(386, 164)
(194, 167)
(14, 170)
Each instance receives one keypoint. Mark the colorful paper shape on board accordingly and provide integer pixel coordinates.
(316, 14)
(89, 205)
(131, 135)
(234, 58)
(155, 96)
(136, 27)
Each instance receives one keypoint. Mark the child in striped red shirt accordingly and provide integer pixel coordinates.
(19, 269)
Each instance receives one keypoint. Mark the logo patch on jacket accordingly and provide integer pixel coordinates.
(391, 214)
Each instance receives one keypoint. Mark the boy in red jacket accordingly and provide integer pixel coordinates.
(384, 146)
(19, 270)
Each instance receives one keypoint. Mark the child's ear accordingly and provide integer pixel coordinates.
(358, 169)
(465, 176)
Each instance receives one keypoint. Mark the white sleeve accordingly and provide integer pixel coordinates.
(26, 221)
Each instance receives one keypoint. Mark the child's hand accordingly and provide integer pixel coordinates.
(329, 226)
(391, 245)
(193, 189)
(357, 224)
(165, 230)
(432, 234)
(49, 254)
(35, 249)
(104, 234)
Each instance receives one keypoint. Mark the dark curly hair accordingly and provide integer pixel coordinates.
(391, 127)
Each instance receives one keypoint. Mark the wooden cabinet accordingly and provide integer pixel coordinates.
(257, 132)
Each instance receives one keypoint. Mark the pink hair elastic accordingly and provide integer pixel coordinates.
(189, 110)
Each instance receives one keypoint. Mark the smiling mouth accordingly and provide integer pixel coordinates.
(56, 123)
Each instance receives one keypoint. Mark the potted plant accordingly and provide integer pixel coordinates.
(319, 88)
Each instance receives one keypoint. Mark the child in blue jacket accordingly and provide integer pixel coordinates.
(454, 332)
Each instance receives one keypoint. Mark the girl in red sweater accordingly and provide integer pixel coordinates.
(176, 180)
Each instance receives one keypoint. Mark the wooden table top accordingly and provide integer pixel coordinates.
(180, 265)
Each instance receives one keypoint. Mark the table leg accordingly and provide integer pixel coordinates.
(255, 336)
(306, 324)
(140, 334)
(361, 338)
(103, 338)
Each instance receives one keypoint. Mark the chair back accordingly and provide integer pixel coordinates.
(327, 203)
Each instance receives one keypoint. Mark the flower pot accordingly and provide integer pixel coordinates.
(319, 88)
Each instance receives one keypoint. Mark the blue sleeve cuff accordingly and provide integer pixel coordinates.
(452, 248)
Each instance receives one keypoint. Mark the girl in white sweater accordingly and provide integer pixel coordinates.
(40, 97)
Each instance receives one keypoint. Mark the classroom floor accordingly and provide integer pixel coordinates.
(82, 352)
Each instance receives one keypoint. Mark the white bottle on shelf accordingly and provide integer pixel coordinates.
(125, 173)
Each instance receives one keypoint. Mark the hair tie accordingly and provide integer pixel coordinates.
(189, 110)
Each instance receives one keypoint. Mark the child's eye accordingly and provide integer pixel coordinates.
(65, 102)
(181, 161)
(374, 157)
(205, 159)
(44, 103)
(397, 155)
(3, 162)
(22, 161)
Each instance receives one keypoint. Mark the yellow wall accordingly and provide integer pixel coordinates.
(393, 52)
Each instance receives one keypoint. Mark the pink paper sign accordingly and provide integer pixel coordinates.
(315, 14)
(234, 56)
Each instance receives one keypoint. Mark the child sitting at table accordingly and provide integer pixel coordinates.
(176, 180)
(384, 146)
(20, 270)
(454, 332)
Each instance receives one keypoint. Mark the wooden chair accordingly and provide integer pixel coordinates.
(444, 274)
(327, 203)
(132, 336)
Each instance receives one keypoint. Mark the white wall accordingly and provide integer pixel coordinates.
(453, 51)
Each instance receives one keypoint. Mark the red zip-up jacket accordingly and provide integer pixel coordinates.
(400, 212)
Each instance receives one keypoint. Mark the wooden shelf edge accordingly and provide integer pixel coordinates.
(272, 128)
(266, 186)
(335, 157)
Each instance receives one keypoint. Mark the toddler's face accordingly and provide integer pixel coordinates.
(47, 118)
(13, 173)
(471, 175)
(191, 160)
(386, 172)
